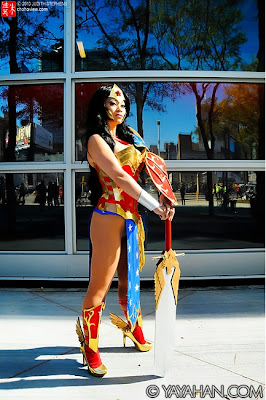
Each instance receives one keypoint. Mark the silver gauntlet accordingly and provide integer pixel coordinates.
(148, 201)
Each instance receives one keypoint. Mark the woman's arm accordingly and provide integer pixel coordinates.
(103, 156)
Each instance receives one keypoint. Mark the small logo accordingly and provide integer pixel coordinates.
(8, 9)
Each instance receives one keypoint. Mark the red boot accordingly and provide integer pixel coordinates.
(136, 336)
(89, 340)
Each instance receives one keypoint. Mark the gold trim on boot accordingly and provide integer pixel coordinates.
(92, 342)
(127, 333)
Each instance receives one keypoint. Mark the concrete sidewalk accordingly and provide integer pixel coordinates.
(219, 342)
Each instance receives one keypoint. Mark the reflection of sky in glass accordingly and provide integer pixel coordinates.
(249, 26)
(179, 117)
(53, 24)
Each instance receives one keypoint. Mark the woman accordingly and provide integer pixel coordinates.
(117, 155)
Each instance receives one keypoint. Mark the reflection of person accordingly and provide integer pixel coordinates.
(22, 193)
(61, 194)
(50, 194)
(55, 193)
(117, 155)
(41, 193)
(183, 192)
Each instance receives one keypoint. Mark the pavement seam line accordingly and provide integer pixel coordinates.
(41, 363)
(218, 366)
(55, 302)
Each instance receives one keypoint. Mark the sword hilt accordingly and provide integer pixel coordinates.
(168, 234)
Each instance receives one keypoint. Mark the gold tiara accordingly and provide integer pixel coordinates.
(117, 94)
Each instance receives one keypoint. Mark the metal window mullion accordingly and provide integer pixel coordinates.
(68, 143)
(202, 165)
(131, 76)
(215, 165)
(32, 79)
(19, 167)
(73, 37)
(67, 38)
(168, 76)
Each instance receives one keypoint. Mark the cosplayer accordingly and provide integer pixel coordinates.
(117, 154)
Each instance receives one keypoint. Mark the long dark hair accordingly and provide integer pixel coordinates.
(97, 124)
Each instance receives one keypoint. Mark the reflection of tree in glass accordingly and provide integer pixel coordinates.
(33, 36)
(238, 116)
(123, 31)
(234, 119)
(199, 35)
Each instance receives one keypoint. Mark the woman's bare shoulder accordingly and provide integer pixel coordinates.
(96, 139)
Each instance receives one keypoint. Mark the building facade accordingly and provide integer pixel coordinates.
(196, 86)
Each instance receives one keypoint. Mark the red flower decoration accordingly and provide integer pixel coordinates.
(118, 93)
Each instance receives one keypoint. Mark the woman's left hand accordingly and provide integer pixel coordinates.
(170, 211)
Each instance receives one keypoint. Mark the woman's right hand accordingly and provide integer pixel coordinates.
(162, 212)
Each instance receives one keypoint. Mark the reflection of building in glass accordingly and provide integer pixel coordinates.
(154, 148)
(32, 138)
(170, 150)
(169, 153)
(224, 149)
(52, 61)
(95, 60)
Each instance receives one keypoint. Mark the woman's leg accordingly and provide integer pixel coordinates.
(106, 233)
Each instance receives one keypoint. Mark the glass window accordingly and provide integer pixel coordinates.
(169, 34)
(31, 123)
(216, 210)
(84, 208)
(32, 211)
(189, 121)
(33, 40)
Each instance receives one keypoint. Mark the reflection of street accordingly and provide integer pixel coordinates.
(30, 200)
(191, 200)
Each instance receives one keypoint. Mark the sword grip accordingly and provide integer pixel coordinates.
(168, 234)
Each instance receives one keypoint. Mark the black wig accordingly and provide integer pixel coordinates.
(97, 124)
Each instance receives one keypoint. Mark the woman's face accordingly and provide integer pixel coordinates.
(116, 110)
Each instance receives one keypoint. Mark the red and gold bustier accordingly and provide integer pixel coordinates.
(132, 161)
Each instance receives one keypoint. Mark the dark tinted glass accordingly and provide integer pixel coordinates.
(33, 40)
(169, 34)
(84, 208)
(31, 123)
(189, 121)
(216, 210)
(32, 211)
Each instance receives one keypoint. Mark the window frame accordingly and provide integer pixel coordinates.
(69, 166)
